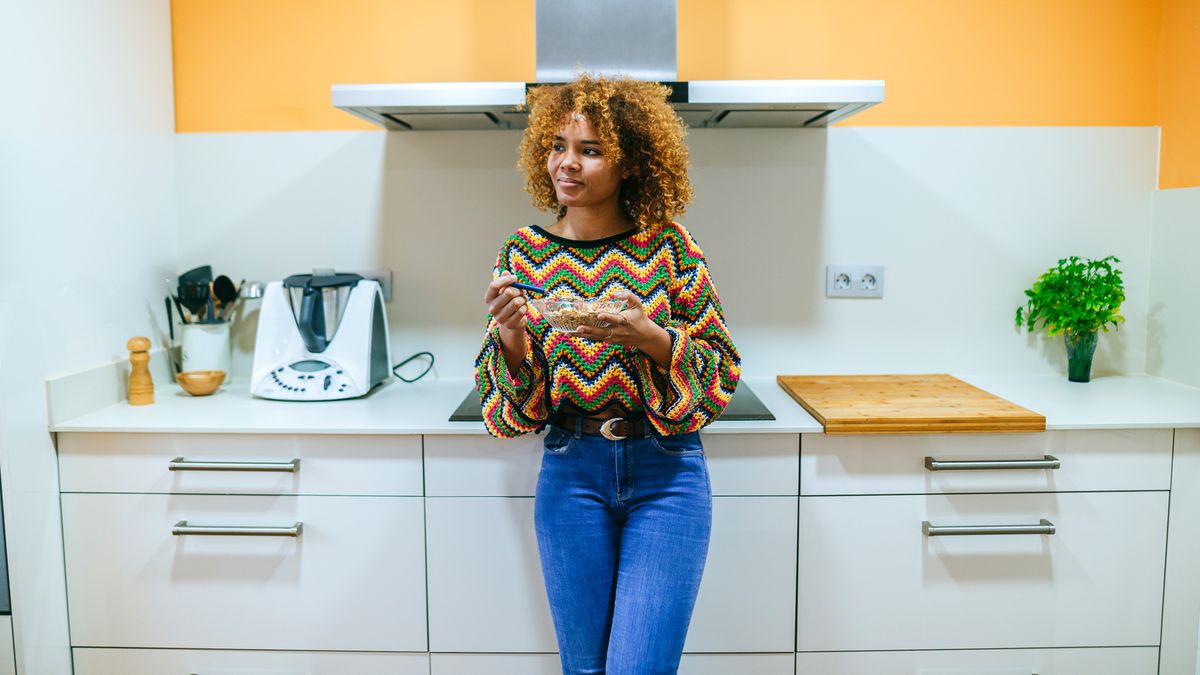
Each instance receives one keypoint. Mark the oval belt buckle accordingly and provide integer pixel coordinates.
(606, 429)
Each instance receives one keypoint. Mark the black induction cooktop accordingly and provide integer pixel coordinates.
(743, 406)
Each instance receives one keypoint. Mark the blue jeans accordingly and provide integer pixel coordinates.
(622, 530)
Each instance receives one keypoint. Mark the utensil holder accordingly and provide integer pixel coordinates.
(204, 346)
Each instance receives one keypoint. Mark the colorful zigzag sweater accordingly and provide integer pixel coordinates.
(665, 267)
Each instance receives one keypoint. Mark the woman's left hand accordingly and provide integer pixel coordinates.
(631, 328)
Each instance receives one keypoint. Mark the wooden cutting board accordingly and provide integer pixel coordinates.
(906, 404)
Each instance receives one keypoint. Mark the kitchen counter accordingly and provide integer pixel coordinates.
(396, 506)
(1125, 402)
(1117, 402)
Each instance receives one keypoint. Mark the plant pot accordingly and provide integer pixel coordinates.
(1080, 349)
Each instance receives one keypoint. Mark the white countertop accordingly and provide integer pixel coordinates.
(1126, 402)
(1116, 402)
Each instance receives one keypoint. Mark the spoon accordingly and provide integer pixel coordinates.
(226, 293)
(528, 287)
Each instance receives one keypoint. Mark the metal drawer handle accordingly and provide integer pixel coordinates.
(181, 464)
(182, 528)
(1047, 462)
(1044, 527)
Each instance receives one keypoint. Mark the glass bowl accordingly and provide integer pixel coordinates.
(568, 314)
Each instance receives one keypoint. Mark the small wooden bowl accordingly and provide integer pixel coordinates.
(200, 382)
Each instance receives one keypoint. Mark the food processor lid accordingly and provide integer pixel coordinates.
(321, 281)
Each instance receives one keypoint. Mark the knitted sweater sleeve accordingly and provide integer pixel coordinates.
(705, 365)
(512, 404)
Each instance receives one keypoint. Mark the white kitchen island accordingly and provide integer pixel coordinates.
(396, 541)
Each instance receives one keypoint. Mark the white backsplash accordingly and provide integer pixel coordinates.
(963, 219)
(1173, 319)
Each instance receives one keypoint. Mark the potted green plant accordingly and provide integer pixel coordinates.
(1077, 298)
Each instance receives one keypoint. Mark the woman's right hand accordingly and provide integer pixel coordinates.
(505, 303)
(508, 307)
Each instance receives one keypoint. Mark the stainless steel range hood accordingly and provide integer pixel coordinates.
(628, 37)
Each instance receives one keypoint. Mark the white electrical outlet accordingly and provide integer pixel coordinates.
(384, 277)
(854, 281)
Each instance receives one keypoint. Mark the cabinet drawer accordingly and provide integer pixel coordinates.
(1088, 460)
(210, 662)
(462, 466)
(750, 574)
(727, 664)
(494, 664)
(1124, 661)
(746, 595)
(335, 465)
(739, 464)
(485, 580)
(870, 579)
(753, 464)
(548, 664)
(353, 579)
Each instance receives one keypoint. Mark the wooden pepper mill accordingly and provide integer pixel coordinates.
(141, 387)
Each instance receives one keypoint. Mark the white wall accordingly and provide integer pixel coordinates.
(87, 225)
(964, 219)
(1173, 344)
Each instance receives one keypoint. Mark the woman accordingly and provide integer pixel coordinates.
(623, 507)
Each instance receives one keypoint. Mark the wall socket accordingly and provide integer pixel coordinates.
(854, 281)
(384, 277)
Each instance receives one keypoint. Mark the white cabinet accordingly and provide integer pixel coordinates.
(870, 579)
(741, 664)
(1181, 606)
(486, 592)
(8, 660)
(753, 464)
(485, 581)
(353, 579)
(1110, 661)
(494, 664)
(418, 555)
(247, 463)
(482, 466)
(746, 595)
(213, 662)
(739, 464)
(873, 578)
(548, 664)
(1110, 459)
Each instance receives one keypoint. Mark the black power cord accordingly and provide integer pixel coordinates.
(423, 372)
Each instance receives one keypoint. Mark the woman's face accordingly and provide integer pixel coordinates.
(582, 175)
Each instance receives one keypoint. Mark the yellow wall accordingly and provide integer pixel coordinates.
(945, 62)
(267, 65)
(1179, 163)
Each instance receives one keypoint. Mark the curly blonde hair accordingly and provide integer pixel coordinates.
(638, 131)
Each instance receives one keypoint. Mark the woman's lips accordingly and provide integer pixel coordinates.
(568, 182)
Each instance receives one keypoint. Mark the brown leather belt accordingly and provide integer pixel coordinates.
(613, 428)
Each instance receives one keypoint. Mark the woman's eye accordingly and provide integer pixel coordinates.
(592, 151)
(558, 147)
